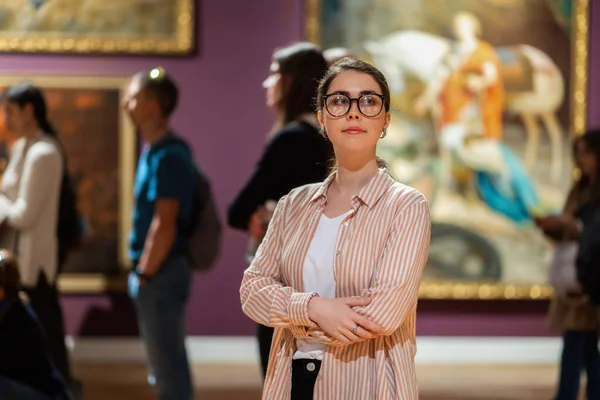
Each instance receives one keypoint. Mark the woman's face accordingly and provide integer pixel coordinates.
(585, 159)
(353, 132)
(273, 85)
(16, 118)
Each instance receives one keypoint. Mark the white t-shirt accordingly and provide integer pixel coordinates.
(317, 276)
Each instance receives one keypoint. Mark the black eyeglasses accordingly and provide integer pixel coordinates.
(339, 104)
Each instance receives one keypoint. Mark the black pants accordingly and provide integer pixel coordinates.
(44, 301)
(580, 352)
(265, 337)
(304, 376)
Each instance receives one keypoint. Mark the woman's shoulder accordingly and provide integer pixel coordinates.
(18, 145)
(303, 195)
(402, 197)
(44, 147)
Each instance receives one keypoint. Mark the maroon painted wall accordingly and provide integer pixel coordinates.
(223, 115)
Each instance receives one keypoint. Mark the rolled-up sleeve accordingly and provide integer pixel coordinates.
(264, 298)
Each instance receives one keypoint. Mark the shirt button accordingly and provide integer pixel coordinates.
(310, 367)
(346, 223)
(338, 252)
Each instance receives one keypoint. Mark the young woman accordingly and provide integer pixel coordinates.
(29, 209)
(338, 272)
(296, 153)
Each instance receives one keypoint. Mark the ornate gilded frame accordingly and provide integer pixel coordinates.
(182, 41)
(487, 291)
(97, 282)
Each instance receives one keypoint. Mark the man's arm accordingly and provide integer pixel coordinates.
(161, 235)
(170, 183)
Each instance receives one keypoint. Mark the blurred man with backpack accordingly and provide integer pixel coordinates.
(165, 218)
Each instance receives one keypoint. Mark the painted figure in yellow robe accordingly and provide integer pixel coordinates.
(467, 99)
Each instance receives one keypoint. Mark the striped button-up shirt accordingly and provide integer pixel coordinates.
(381, 250)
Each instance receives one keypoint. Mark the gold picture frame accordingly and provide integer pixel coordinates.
(98, 98)
(99, 27)
(456, 289)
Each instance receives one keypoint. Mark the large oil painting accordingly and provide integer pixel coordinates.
(99, 147)
(98, 26)
(482, 122)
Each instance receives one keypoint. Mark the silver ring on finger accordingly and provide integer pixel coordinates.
(355, 328)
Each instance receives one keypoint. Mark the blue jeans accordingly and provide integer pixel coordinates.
(160, 306)
(580, 351)
(13, 390)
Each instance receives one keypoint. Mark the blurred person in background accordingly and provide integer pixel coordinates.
(571, 311)
(38, 212)
(296, 154)
(27, 371)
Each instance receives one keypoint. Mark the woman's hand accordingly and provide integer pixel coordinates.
(337, 318)
(553, 222)
(256, 226)
(260, 219)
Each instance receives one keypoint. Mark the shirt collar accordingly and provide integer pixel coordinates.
(369, 194)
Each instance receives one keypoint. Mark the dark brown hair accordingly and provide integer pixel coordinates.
(10, 280)
(157, 83)
(301, 67)
(353, 64)
(591, 139)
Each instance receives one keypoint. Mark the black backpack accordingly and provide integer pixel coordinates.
(204, 230)
(204, 233)
(69, 226)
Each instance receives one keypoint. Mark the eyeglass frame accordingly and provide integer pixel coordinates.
(353, 99)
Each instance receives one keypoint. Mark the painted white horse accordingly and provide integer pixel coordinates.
(418, 54)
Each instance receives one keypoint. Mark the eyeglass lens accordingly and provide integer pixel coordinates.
(368, 104)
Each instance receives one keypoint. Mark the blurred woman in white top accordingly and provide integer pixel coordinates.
(29, 208)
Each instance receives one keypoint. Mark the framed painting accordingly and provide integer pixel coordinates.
(483, 113)
(165, 27)
(99, 144)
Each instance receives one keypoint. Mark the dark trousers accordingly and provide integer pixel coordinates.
(304, 376)
(580, 351)
(265, 337)
(44, 300)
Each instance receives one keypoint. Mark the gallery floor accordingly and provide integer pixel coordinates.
(477, 382)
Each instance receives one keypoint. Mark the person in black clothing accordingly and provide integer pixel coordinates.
(577, 314)
(296, 153)
(27, 371)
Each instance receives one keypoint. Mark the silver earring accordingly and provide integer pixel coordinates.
(323, 133)
(383, 134)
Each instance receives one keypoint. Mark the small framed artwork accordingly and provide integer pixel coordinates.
(158, 27)
(99, 144)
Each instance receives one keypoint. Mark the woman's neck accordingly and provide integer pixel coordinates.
(31, 132)
(351, 177)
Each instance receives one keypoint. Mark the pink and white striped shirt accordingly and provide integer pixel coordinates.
(381, 251)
